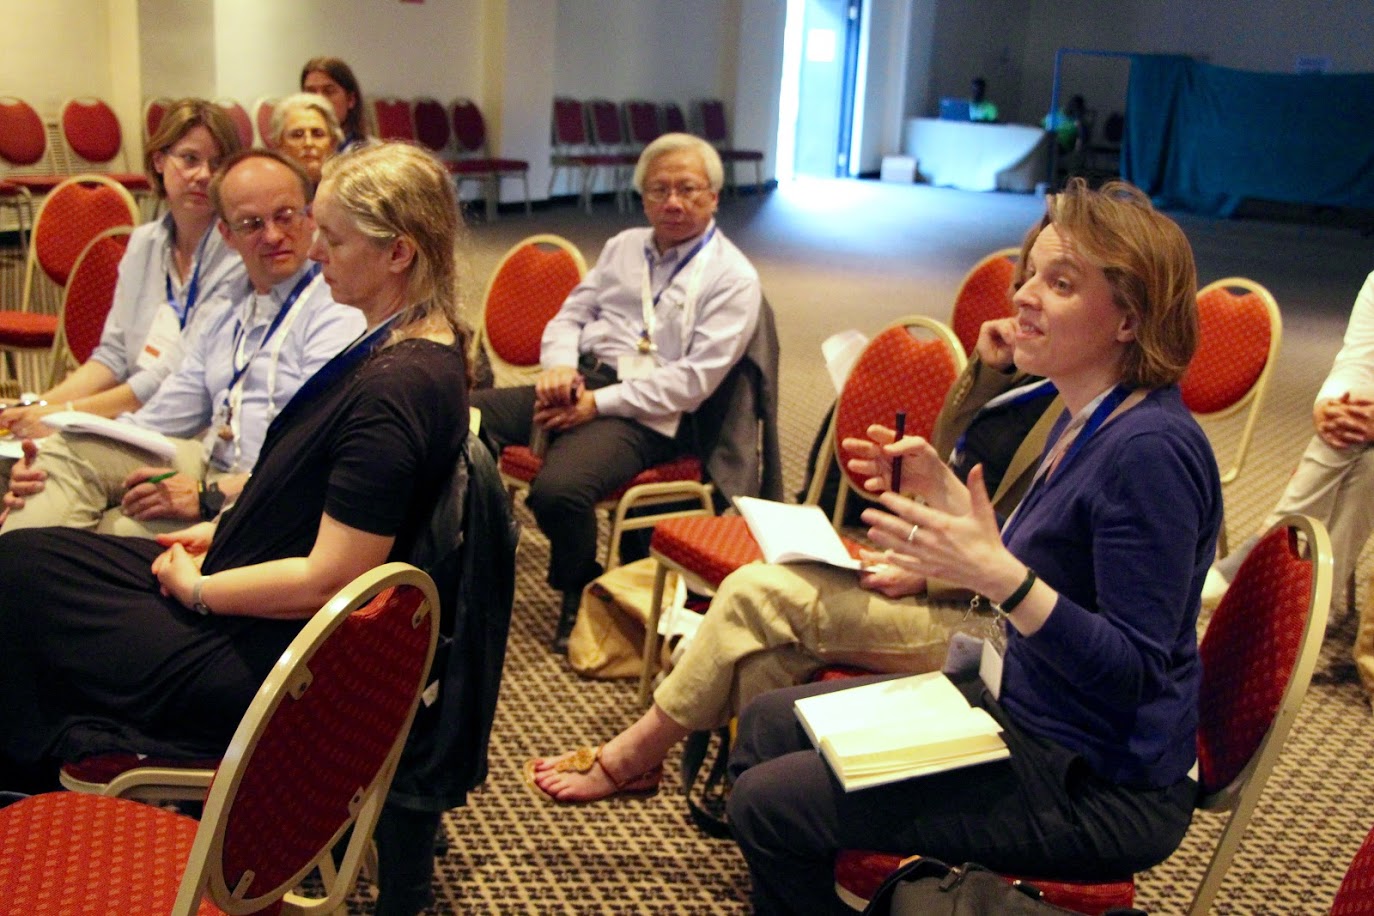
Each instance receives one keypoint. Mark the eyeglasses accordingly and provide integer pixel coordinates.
(285, 219)
(190, 163)
(687, 193)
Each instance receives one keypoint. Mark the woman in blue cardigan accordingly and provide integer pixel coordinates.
(1097, 575)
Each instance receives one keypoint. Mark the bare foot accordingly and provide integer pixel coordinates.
(581, 776)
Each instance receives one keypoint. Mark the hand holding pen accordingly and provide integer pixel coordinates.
(899, 431)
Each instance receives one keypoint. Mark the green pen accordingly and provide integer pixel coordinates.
(161, 477)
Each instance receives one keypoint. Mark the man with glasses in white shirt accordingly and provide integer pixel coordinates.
(257, 346)
(640, 344)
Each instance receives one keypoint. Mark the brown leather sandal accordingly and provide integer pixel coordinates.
(582, 760)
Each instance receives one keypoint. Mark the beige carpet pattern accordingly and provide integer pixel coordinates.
(836, 255)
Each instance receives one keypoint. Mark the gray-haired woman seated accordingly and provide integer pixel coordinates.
(304, 128)
(157, 647)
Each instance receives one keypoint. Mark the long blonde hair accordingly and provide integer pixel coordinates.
(397, 190)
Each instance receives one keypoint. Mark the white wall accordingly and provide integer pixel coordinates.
(53, 50)
(177, 49)
(401, 49)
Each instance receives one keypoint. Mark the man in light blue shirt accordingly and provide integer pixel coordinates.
(640, 344)
(257, 346)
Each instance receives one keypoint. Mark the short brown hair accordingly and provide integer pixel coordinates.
(1149, 264)
(181, 117)
(217, 182)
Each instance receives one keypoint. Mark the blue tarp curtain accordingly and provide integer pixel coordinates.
(1203, 138)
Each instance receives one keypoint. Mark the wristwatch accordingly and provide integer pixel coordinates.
(211, 500)
(197, 603)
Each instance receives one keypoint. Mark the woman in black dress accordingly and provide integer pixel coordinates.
(126, 644)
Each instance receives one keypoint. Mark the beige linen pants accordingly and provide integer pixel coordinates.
(86, 484)
(772, 626)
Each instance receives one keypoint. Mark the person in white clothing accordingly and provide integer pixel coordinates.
(1334, 481)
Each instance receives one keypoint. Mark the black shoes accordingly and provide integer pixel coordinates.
(567, 616)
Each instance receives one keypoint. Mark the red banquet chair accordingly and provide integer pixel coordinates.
(1240, 329)
(243, 124)
(711, 118)
(984, 294)
(86, 301)
(474, 162)
(24, 148)
(1257, 658)
(909, 366)
(395, 121)
(525, 291)
(573, 150)
(92, 133)
(75, 212)
(1356, 894)
(311, 762)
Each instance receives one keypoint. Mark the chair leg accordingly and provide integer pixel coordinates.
(651, 639)
(525, 180)
(493, 192)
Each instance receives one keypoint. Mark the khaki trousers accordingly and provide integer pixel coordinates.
(772, 626)
(86, 484)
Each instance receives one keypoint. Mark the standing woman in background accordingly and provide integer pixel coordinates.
(171, 266)
(334, 79)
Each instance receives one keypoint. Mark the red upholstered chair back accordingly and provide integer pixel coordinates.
(673, 119)
(642, 117)
(469, 127)
(1237, 325)
(1250, 656)
(76, 211)
(607, 129)
(525, 291)
(569, 123)
(90, 291)
(1356, 894)
(984, 295)
(910, 367)
(92, 130)
(243, 124)
(712, 115)
(262, 118)
(431, 124)
(23, 138)
(321, 740)
(1240, 330)
(153, 113)
(394, 120)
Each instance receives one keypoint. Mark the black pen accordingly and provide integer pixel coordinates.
(900, 428)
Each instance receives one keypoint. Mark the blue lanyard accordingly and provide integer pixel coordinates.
(1110, 403)
(677, 269)
(183, 312)
(282, 312)
(344, 362)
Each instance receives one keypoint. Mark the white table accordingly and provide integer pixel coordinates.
(978, 157)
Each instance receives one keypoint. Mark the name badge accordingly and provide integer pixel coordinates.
(990, 669)
(164, 337)
(635, 365)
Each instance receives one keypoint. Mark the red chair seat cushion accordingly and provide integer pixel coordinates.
(40, 184)
(861, 871)
(27, 329)
(712, 546)
(741, 155)
(65, 852)
(519, 462)
(102, 768)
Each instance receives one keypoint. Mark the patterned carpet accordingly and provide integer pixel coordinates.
(835, 255)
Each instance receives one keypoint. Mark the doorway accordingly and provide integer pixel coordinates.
(822, 50)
